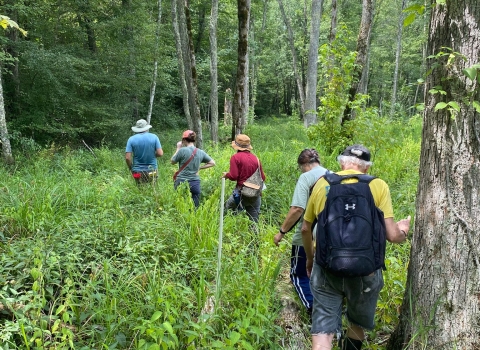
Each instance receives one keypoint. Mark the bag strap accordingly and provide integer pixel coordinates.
(185, 164)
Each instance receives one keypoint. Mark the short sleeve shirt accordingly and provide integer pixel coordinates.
(301, 194)
(190, 172)
(379, 188)
(143, 146)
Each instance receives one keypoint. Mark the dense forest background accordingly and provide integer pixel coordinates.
(84, 72)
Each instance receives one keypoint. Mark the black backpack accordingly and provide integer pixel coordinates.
(351, 233)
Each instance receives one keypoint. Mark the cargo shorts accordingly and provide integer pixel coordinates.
(361, 294)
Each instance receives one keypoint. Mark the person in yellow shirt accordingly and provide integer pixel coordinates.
(329, 290)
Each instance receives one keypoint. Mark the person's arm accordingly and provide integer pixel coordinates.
(293, 215)
(397, 231)
(233, 172)
(179, 145)
(128, 160)
(158, 152)
(307, 239)
(207, 165)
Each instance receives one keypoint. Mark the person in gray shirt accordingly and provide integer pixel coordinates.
(189, 159)
(309, 164)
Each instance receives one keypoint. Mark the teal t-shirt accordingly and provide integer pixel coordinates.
(301, 195)
(191, 170)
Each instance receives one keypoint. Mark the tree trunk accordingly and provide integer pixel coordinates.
(311, 89)
(441, 303)
(153, 87)
(333, 23)
(195, 111)
(362, 52)
(252, 79)
(397, 57)
(213, 71)
(4, 138)
(240, 100)
(181, 64)
(291, 41)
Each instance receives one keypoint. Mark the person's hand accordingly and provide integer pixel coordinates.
(224, 174)
(309, 267)
(277, 238)
(179, 144)
(404, 225)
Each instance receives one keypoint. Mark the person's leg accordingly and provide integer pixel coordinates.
(299, 278)
(252, 207)
(195, 191)
(362, 295)
(327, 307)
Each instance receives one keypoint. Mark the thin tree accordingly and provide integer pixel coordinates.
(7, 156)
(440, 306)
(397, 58)
(153, 86)
(291, 41)
(312, 66)
(240, 99)
(214, 71)
(362, 54)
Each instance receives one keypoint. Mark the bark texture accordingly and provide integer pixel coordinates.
(441, 305)
(240, 99)
(362, 54)
(312, 66)
(4, 138)
(214, 71)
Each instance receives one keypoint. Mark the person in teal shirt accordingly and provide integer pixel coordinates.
(145, 148)
(188, 166)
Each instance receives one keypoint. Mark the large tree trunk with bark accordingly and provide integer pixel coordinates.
(240, 99)
(291, 41)
(441, 305)
(214, 71)
(362, 54)
(312, 66)
(181, 63)
(193, 86)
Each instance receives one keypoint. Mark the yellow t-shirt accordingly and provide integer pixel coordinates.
(379, 188)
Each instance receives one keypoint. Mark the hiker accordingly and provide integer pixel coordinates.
(243, 165)
(309, 164)
(189, 159)
(146, 148)
(333, 194)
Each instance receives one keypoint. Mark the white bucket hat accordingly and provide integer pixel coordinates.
(141, 126)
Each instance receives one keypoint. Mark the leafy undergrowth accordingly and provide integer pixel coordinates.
(91, 261)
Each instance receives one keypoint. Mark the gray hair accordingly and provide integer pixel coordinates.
(362, 164)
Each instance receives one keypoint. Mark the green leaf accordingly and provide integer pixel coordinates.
(454, 105)
(156, 316)
(476, 105)
(409, 19)
(234, 337)
(440, 105)
(168, 327)
(415, 8)
(60, 309)
(470, 72)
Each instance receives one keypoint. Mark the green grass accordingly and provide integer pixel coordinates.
(88, 260)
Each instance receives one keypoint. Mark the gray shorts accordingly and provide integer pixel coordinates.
(328, 291)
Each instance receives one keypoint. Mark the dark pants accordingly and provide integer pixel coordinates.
(299, 277)
(194, 189)
(250, 204)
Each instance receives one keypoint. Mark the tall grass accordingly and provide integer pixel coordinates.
(89, 260)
